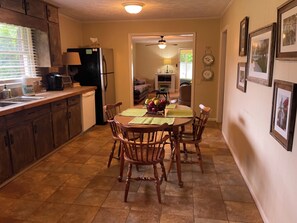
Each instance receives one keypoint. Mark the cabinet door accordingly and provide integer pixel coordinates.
(35, 8)
(5, 161)
(55, 44)
(52, 13)
(75, 126)
(22, 146)
(43, 135)
(60, 127)
(14, 5)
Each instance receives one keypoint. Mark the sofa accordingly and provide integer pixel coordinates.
(141, 90)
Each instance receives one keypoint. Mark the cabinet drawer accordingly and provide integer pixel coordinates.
(25, 115)
(74, 100)
(58, 105)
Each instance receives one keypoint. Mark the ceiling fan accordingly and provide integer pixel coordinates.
(161, 43)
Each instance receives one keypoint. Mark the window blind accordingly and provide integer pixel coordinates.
(17, 52)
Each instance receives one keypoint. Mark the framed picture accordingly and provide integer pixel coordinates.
(283, 113)
(261, 55)
(241, 77)
(243, 36)
(287, 31)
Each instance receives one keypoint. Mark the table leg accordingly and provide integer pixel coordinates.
(177, 156)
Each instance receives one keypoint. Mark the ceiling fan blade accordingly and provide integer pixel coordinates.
(152, 44)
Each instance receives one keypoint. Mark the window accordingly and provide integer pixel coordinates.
(186, 64)
(17, 53)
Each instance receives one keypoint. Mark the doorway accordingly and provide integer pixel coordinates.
(147, 60)
(221, 82)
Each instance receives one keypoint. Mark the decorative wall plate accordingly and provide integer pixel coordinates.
(208, 59)
(207, 74)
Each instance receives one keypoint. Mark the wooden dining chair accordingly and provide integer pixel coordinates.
(144, 146)
(112, 110)
(193, 137)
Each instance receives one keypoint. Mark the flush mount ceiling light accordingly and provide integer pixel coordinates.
(133, 7)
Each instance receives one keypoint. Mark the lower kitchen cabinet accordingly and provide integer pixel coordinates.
(5, 158)
(30, 134)
(60, 122)
(74, 115)
(43, 135)
(22, 145)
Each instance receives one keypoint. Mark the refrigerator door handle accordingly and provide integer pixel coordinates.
(105, 73)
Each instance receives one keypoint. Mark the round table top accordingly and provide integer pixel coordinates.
(178, 121)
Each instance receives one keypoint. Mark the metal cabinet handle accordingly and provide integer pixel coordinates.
(23, 5)
(6, 142)
(27, 6)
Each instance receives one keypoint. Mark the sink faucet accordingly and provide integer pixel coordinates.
(6, 93)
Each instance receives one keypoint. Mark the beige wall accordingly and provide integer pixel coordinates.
(268, 168)
(70, 32)
(116, 35)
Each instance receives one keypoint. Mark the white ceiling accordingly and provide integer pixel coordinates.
(112, 10)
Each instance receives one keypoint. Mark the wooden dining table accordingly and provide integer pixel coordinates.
(174, 128)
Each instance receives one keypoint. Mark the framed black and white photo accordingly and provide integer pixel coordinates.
(243, 36)
(241, 77)
(261, 55)
(287, 31)
(283, 113)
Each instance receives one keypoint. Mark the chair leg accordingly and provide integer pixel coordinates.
(122, 162)
(157, 181)
(163, 171)
(199, 157)
(129, 173)
(111, 153)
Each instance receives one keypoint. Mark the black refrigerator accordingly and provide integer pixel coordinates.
(96, 69)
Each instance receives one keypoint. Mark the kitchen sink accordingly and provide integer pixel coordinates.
(24, 99)
(6, 103)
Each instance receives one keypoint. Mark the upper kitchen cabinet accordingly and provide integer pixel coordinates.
(54, 35)
(52, 13)
(14, 5)
(35, 8)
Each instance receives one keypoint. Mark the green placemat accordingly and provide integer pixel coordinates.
(182, 113)
(134, 112)
(171, 106)
(151, 121)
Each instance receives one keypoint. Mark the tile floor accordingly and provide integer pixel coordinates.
(73, 184)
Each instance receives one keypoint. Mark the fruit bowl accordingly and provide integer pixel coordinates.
(155, 105)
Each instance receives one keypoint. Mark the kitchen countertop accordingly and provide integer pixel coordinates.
(49, 96)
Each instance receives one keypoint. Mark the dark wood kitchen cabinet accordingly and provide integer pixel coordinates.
(54, 35)
(34, 8)
(60, 122)
(42, 130)
(66, 115)
(30, 135)
(5, 158)
(14, 5)
(74, 116)
(21, 141)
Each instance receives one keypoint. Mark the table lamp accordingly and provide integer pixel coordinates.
(70, 58)
(167, 61)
